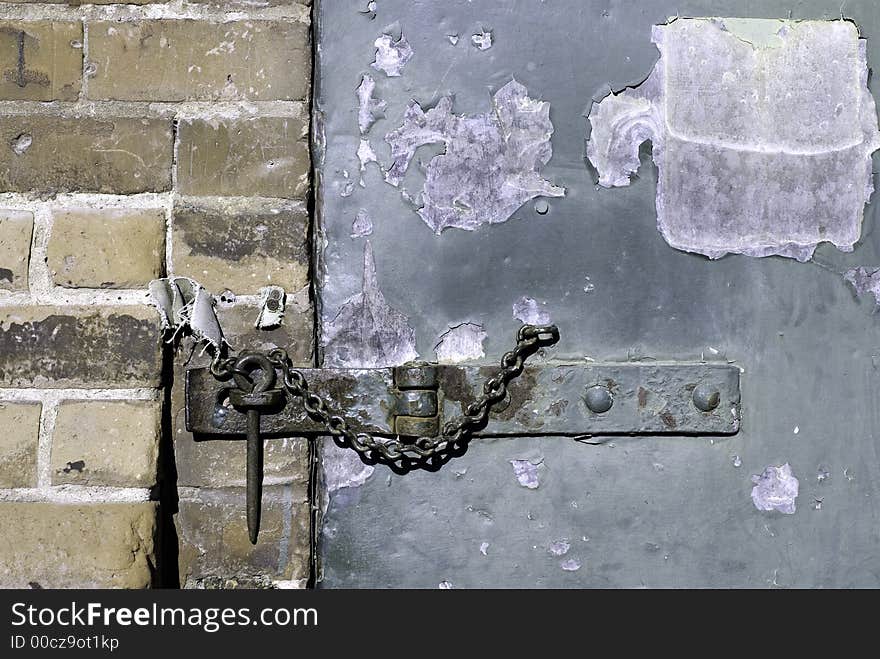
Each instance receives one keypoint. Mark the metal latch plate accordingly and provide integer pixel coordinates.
(647, 398)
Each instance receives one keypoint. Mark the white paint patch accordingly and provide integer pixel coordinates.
(526, 473)
(362, 225)
(492, 162)
(484, 548)
(343, 468)
(570, 565)
(559, 547)
(482, 40)
(461, 343)
(370, 109)
(391, 55)
(775, 489)
(763, 140)
(365, 154)
(737, 461)
(528, 311)
(453, 39)
(445, 585)
(367, 332)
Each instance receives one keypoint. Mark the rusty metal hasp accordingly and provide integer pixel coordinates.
(420, 415)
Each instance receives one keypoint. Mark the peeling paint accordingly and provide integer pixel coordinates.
(362, 225)
(763, 145)
(445, 585)
(526, 473)
(391, 55)
(570, 565)
(775, 489)
(482, 40)
(271, 314)
(559, 547)
(365, 154)
(461, 343)
(453, 39)
(492, 161)
(527, 310)
(367, 332)
(865, 280)
(185, 305)
(370, 109)
(343, 468)
(484, 548)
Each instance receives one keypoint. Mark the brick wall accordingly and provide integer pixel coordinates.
(141, 140)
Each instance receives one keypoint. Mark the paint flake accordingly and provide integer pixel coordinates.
(775, 489)
(362, 225)
(370, 109)
(570, 565)
(482, 40)
(365, 154)
(484, 548)
(343, 468)
(391, 55)
(461, 343)
(185, 305)
(526, 473)
(527, 310)
(865, 280)
(559, 547)
(492, 162)
(763, 140)
(367, 332)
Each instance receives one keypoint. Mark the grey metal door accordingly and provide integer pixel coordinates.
(398, 271)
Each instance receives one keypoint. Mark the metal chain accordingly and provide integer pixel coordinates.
(405, 455)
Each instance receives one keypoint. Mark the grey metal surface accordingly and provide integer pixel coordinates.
(645, 511)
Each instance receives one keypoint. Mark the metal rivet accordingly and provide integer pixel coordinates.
(599, 399)
(706, 397)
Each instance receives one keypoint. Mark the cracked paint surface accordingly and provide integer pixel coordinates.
(492, 162)
(776, 488)
(762, 132)
(461, 343)
(367, 332)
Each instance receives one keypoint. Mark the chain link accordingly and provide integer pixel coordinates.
(405, 455)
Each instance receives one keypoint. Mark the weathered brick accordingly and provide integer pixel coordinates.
(104, 442)
(40, 60)
(48, 545)
(177, 60)
(16, 231)
(241, 245)
(107, 248)
(73, 346)
(213, 538)
(263, 156)
(52, 154)
(18, 443)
